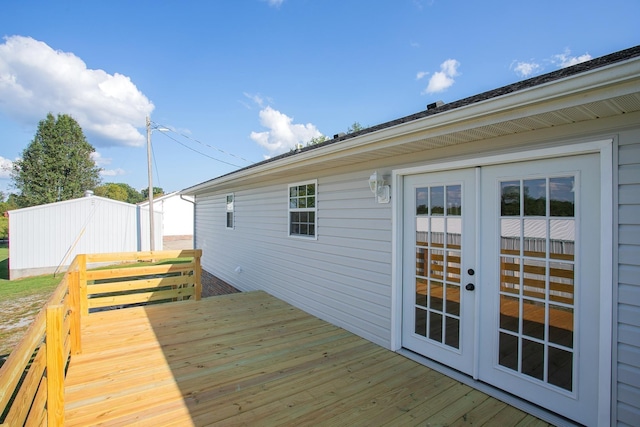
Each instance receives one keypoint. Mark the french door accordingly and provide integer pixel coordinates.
(439, 266)
(501, 277)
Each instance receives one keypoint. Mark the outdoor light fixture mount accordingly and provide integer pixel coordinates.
(379, 188)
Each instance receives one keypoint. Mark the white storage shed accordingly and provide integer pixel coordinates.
(45, 239)
(177, 215)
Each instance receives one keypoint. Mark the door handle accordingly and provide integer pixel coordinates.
(470, 286)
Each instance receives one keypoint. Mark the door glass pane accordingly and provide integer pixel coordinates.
(537, 273)
(421, 322)
(452, 305)
(562, 196)
(510, 275)
(436, 266)
(438, 263)
(454, 232)
(510, 198)
(454, 200)
(533, 321)
(561, 325)
(510, 231)
(534, 278)
(421, 261)
(560, 371)
(452, 334)
(421, 292)
(562, 238)
(422, 201)
(436, 294)
(509, 313)
(535, 237)
(437, 200)
(435, 326)
(437, 232)
(422, 231)
(453, 266)
(532, 359)
(535, 197)
(508, 353)
(561, 282)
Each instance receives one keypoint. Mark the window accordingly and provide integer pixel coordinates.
(230, 218)
(302, 209)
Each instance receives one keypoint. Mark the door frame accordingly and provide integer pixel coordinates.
(603, 147)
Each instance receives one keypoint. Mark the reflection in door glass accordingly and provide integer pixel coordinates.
(535, 197)
(437, 200)
(537, 322)
(510, 198)
(562, 196)
(454, 201)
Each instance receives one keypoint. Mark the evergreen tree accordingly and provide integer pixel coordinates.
(57, 164)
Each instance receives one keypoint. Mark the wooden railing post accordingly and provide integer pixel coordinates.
(82, 284)
(76, 318)
(55, 365)
(198, 274)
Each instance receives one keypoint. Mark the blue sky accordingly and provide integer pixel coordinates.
(237, 81)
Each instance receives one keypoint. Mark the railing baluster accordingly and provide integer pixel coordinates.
(55, 365)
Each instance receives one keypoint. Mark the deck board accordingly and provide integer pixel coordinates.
(251, 359)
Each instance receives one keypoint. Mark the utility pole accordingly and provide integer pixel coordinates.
(152, 245)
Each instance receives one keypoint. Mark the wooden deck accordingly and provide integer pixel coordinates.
(251, 359)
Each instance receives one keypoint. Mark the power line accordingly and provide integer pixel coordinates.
(199, 152)
(157, 125)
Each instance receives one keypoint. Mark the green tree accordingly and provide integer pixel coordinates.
(355, 127)
(57, 164)
(111, 191)
(119, 191)
(157, 192)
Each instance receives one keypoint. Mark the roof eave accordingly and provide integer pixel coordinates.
(574, 90)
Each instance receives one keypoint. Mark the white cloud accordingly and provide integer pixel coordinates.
(443, 79)
(36, 80)
(112, 172)
(103, 161)
(525, 69)
(283, 134)
(421, 74)
(6, 166)
(275, 3)
(564, 60)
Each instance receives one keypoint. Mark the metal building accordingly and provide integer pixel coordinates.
(44, 239)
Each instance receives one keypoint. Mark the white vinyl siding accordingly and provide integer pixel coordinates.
(344, 276)
(628, 332)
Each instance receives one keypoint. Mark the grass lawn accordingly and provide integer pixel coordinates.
(20, 301)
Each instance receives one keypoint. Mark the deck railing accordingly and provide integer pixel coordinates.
(32, 378)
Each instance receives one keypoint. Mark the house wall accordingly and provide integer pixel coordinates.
(628, 307)
(345, 276)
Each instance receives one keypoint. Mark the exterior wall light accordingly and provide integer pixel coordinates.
(379, 188)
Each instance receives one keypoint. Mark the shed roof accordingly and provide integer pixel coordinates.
(602, 87)
(84, 199)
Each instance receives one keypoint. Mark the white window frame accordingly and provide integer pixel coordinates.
(313, 210)
(230, 209)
